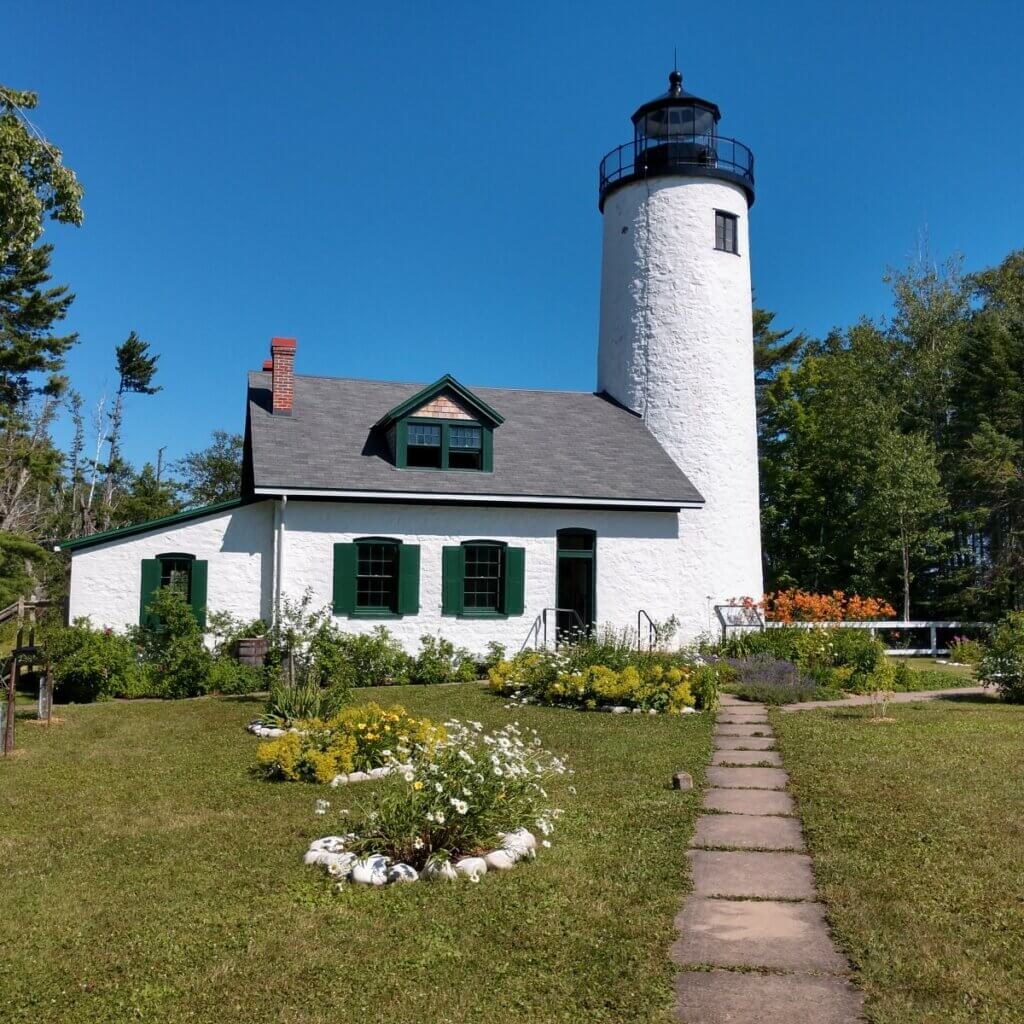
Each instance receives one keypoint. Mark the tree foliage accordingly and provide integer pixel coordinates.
(214, 473)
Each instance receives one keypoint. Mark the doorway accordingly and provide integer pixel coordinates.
(576, 597)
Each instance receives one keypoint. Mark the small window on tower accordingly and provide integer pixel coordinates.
(725, 232)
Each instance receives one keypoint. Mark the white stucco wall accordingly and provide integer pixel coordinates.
(676, 346)
(639, 563)
(106, 580)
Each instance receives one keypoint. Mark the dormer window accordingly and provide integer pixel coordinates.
(465, 447)
(423, 446)
(444, 426)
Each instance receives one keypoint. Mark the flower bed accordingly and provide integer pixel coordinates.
(363, 742)
(464, 806)
(651, 682)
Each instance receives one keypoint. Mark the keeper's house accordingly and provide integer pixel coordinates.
(471, 511)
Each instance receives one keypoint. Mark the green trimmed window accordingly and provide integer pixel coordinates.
(376, 578)
(482, 578)
(443, 444)
(186, 573)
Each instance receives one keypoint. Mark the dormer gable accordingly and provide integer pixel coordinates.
(442, 427)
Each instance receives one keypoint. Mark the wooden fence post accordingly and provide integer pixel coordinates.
(9, 709)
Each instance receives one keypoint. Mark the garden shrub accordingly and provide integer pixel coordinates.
(226, 629)
(650, 680)
(372, 659)
(287, 704)
(440, 661)
(461, 796)
(229, 677)
(762, 677)
(176, 662)
(966, 651)
(358, 738)
(779, 643)
(89, 663)
(1002, 660)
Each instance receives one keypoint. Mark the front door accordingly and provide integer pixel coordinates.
(577, 583)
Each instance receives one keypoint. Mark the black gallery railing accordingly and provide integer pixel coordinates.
(676, 153)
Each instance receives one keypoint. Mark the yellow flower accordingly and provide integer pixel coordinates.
(417, 784)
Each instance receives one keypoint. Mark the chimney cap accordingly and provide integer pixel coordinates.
(282, 343)
(268, 364)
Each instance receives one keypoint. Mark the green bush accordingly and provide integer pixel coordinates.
(649, 681)
(371, 659)
(1002, 661)
(288, 704)
(176, 662)
(966, 651)
(440, 661)
(228, 676)
(781, 643)
(89, 663)
(227, 629)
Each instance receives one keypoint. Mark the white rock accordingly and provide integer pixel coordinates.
(501, 860)
(339, 780)
(637, 711)
(333, 844)
(339, 865)
(372, 870)
(521, 841)
(689, 711)
(402, 873)
(358, 777)
(440, 871)
(620, 709)
(379, 773)
(471, 867)
(312, 857)
(652, 711)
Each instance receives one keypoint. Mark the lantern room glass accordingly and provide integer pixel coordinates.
(674, 121)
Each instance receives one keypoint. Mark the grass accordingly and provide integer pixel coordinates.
(917, 829)
(924, 664)
(149, 876)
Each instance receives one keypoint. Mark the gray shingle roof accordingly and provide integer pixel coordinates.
(556, 444)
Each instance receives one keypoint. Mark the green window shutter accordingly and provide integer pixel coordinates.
(453, 574)
(150, 585)
(409, 579)
(197, 591)
(515, 581)
(345, 560)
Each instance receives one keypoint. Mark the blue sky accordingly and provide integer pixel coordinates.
(410, 188)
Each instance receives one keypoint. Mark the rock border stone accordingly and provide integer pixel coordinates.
(375, 869)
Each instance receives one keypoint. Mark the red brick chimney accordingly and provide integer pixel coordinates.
(282, 368)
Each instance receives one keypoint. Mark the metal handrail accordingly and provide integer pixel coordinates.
(652, 632)
(541, 622)
(676, 152)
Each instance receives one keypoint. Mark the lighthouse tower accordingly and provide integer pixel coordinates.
(676, 341)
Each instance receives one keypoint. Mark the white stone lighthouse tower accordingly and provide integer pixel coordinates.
(676, 339)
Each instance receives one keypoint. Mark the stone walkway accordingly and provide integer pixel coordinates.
(897, 698)
(754, 946)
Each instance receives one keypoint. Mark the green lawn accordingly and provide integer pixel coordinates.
(149, 876)
(924, 664)
(917, 829)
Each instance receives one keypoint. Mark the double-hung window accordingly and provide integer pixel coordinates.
(423, 445)
(465, 447)
(182, 572)
(726, 232)
(376, 578)
(483, 578)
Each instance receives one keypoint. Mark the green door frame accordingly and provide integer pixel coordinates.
(576, 554)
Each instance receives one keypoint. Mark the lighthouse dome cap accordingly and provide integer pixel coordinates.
(676, 96)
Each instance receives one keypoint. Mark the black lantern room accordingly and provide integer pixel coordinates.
(677, 134)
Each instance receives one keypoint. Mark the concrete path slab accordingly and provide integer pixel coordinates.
(737, 874)
(758, 933)
(749, 801)
(734, 997)
(753, 718)
(747, 832)
(897, 698)
(747, 778)
(743, 729)
(744, 743)
(747, 757)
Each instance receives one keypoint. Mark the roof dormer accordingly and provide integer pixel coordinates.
(443, 426)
